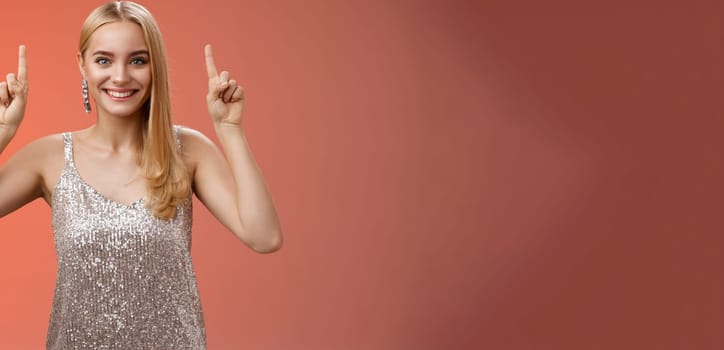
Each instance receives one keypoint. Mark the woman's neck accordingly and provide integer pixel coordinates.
(117, 133)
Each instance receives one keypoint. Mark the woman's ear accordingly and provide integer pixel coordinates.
(81, 62)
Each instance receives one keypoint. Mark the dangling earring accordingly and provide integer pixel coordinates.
(86, 101)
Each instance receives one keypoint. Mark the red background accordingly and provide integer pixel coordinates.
(449, 174)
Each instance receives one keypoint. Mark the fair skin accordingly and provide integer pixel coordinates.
(118, 72)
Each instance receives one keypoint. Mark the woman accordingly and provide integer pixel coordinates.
(120, 190)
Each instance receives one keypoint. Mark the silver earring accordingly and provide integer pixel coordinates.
(86, 101)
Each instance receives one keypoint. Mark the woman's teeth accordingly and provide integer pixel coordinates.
(120, 94)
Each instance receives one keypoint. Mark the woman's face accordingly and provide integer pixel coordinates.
(117, 68)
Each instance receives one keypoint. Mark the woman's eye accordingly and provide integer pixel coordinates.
(103, 61)
(138, 61)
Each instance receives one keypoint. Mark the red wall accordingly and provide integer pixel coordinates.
(449, 174)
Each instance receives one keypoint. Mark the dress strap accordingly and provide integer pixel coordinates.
(68, 147)
(177, 136)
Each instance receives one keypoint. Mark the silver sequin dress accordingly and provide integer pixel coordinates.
(125, 278)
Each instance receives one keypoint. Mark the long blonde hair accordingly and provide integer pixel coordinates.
(167, 178)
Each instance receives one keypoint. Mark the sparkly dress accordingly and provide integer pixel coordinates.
(125, 278)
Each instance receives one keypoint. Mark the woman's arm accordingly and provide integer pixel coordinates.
(233, 187)
(13, 98)
(20, 180)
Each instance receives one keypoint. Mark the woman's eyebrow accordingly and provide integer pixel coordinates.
(107, 53)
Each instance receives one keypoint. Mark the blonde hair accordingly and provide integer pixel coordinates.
(167, 178)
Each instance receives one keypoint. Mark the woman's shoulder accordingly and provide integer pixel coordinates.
(45, 146)
(195, 146)
(40, 156)
(192, 139)
(187, 131)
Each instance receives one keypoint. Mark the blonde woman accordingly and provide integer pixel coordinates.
(120, 190)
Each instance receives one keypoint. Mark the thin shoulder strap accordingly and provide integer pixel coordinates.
(68, 147)
(177, 136)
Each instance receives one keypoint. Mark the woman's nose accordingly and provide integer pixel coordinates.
(119, 74)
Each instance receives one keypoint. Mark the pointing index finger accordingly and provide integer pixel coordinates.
(22, 64)
(210, 65)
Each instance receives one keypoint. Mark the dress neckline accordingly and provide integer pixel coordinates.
(71, 164)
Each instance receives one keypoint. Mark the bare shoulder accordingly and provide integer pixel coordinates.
(34, 169)
(196, 148)
(192, 136)
(47, 149)
(194, 143)
(50, 151)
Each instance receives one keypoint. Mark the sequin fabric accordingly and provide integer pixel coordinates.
(125, 278)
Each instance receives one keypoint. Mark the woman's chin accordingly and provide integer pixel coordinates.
(122, 112)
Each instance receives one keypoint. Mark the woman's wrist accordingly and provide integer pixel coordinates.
(6, 134)
(227, 129)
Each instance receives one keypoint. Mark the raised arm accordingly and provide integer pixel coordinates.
(13, 98)
(232, 187)
(20, 180)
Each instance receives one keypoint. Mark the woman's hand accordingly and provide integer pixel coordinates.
(226, 98)
(14, 95)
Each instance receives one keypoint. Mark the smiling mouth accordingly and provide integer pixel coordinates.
(120, 94)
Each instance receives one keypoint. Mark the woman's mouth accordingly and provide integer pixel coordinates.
(120, 94)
